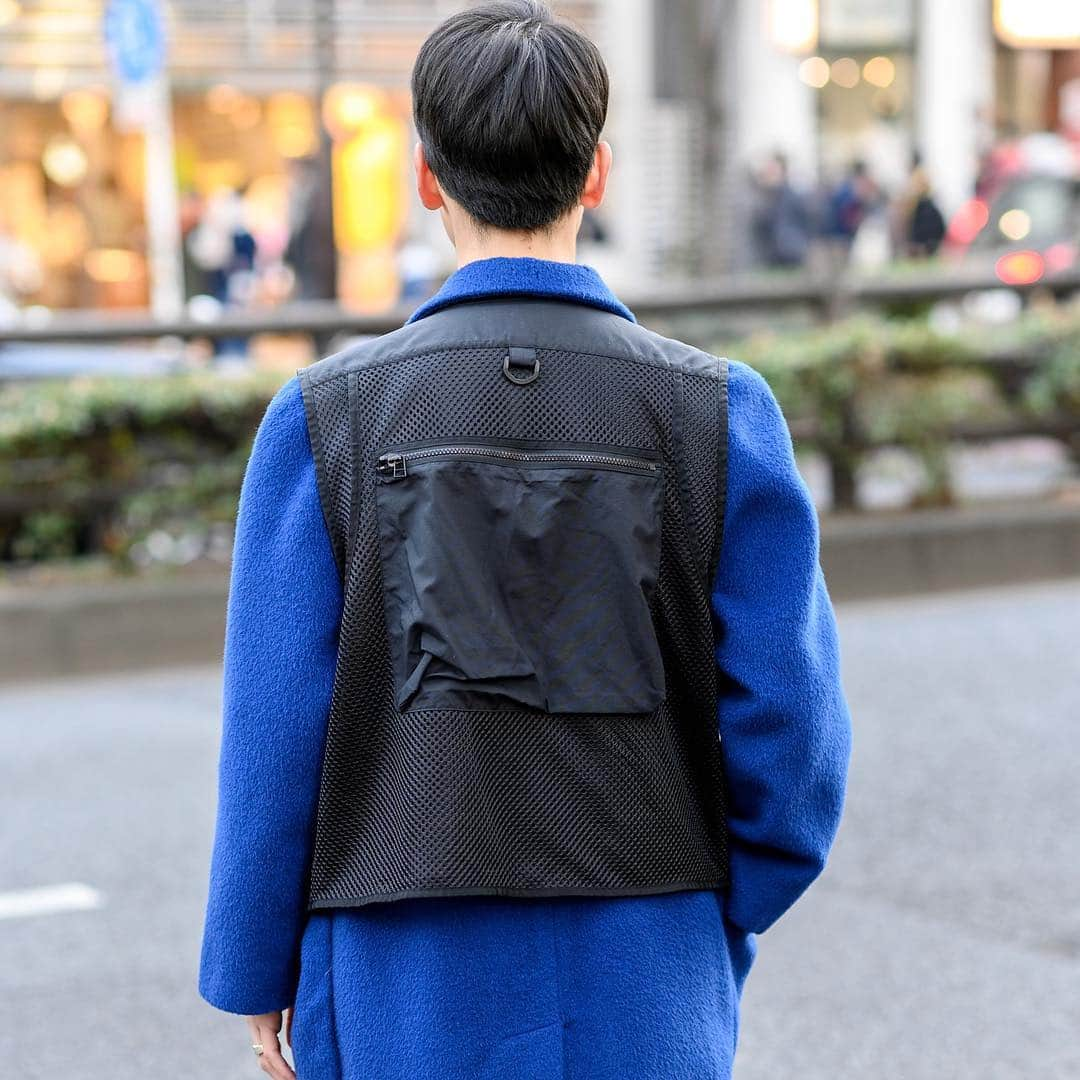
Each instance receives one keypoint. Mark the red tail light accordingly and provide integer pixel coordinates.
(968, 222)
(1059, 256)
(1020, 267)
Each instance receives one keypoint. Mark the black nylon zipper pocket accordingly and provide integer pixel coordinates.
(394, 464)
(517, 574)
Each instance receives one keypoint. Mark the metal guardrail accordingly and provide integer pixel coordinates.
(827, 297)
(832, 296)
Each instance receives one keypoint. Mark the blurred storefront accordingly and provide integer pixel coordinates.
(882, 79)
(71, 195)
(1038, 66)
(706, 92)
(252, 84)
(825, 82)
(863, 70)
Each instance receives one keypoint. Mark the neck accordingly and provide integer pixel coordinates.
(558, 245)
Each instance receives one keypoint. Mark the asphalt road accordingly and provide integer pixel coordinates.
(943, 942)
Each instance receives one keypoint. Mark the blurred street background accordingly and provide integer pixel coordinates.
(874, 202)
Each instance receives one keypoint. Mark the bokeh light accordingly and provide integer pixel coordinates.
(793, 24)
(1060, 256)
(1020, 267)
(112, 265)
(845, 72)
(349, 106)
(291, 119)
(814, 71)
(64, 161)
(1015, 224)
(879, 71)
(86, 111)
(968, 221)
(223, 98)
(1037, 23)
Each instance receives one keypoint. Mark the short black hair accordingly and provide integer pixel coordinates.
(509, 103)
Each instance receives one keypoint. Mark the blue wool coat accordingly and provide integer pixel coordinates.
(489, 988)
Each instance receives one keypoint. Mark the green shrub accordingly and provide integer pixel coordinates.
(103, 464)
(866, 382)
(149, 468)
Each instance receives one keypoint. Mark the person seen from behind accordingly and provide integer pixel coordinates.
(782, 220)
(533, 718)
(920, 222)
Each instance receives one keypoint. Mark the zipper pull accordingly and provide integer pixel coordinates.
(392, 466)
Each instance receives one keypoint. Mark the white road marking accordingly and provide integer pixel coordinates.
(50, 900)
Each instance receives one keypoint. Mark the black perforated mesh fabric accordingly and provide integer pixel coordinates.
(328, 409)
(438, 802)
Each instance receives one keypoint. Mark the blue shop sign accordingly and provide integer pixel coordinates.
(135, 39)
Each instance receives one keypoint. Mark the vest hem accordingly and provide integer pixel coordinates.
(524, 893)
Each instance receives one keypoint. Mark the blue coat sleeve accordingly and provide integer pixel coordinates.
(784, 722)
(281, 637)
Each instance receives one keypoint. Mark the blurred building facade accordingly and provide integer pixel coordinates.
(704, 91)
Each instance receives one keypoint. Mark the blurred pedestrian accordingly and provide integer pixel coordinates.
(920, 224)
(192, 208)
(782, 221)
(849, 204)
(302, 252)
(533, 713)
(223, 247)
(418, 268)
(20, 274)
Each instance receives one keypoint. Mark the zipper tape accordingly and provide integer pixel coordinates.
(395, 464)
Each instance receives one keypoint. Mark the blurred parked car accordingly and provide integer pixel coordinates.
(1024, 221)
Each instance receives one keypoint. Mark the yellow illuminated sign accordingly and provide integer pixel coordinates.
(1039, 24)
(793, 25)
(369, 195)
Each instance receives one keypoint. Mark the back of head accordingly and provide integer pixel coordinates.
(510, 103)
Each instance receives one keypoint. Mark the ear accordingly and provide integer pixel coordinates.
(596, 184)
(426, 185)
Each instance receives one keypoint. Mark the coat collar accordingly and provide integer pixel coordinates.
(525, 277)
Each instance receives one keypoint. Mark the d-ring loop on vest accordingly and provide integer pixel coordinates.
(521, 365)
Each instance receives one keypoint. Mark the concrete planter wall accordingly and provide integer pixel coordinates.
(60, 630)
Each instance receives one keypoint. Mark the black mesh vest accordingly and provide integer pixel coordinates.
(525, 502)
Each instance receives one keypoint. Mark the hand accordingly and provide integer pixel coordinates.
(264, 1032)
